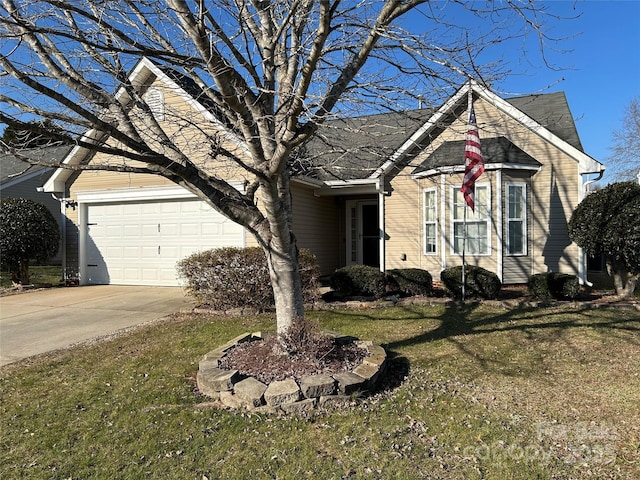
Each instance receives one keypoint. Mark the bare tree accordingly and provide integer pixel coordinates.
(625, 151)
(270, 72)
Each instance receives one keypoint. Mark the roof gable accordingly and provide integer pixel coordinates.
(553, 112)
(140, 76)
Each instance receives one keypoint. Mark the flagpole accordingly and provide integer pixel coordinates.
(464, 237)
(473, 168)
(464, 247)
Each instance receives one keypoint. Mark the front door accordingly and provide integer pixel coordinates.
(363, 233)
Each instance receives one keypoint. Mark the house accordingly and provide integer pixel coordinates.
(380, 190)
(19, 179)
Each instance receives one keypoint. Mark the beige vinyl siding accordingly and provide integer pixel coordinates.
(403, 226)
(316, 225)
(179, 125)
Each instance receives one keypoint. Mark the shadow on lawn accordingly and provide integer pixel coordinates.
(455, 321)
(460, 322)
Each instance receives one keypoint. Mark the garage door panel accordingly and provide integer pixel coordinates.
(131, 252)
(149, 253)
(139, 243)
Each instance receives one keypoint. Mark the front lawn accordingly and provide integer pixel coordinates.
(489, 393)
(39, 275)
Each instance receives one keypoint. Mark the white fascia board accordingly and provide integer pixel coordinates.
(142, 194)
(348, 187)
(131, 195)
(461, 168)
(57, 181)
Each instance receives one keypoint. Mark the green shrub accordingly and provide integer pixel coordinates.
(355, 280)
(560, 286)
(412, 281)
(28, 233)
(230, 277)
(479, 282)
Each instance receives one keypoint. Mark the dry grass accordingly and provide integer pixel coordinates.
(474, 392)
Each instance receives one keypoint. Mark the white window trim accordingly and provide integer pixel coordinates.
(525, 238)
(434, 190)
(453, 222)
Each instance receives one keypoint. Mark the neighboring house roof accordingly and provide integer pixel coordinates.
(494, 150)
(13, 170)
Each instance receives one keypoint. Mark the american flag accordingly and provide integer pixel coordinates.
(473, 161)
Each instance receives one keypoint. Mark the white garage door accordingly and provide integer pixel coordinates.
(139, 243)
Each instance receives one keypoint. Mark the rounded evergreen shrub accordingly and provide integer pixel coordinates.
(230, 277)
(28, 233)
(412, 281)
(559, 286)
(358, 280)
(479, 282)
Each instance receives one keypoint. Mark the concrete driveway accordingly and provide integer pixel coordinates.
(45, 320)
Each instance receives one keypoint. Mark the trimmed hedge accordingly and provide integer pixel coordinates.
(412, 281)
(358, 280)
(227, 278)
(479, 282)
(559, 286)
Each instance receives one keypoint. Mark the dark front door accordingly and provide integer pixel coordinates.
(370, 235)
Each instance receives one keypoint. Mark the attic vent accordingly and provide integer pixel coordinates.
(155, 100)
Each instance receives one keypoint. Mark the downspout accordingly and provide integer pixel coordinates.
(63, 231)
(443, 222)
(381, 222)
(499, 227)
(582, 263)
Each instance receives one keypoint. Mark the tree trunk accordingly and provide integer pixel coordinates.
(20, 274)
(282, 252)
(630, 286)
(623, 281)
(287, 287)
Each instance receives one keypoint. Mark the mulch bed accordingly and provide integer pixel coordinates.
(266, 360)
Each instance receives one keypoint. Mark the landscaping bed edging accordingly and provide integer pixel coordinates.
(238, 391)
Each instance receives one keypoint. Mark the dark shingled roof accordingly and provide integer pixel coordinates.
(550, 110)
(11, 167)
(354, 148)
(494, 150)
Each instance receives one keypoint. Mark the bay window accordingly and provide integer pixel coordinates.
(477, 223)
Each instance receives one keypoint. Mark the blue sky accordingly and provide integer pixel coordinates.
(601, 72)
